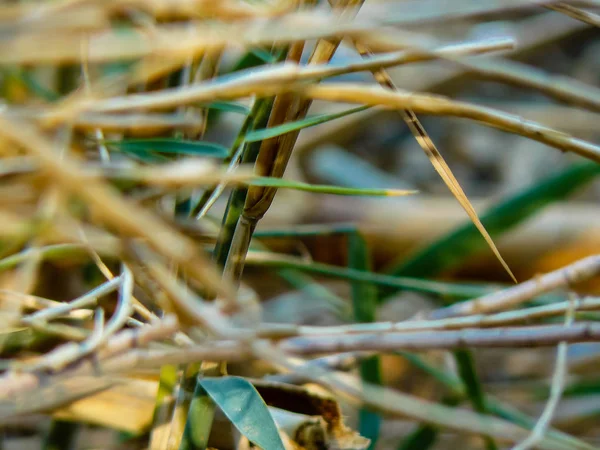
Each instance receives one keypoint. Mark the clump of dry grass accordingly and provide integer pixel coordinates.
(124, 299)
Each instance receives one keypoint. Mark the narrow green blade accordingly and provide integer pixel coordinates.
(224, 106)
(460, 291)
(199, 422)
(326, 189)
(364, 300)
(468, 374)
(268, 133)
(171, 146)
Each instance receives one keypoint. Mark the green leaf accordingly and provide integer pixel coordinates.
(172, 146)
(364, 301)
(450, 250)
(224, 106)
(325, 189)
(246, 410)
(311, 121)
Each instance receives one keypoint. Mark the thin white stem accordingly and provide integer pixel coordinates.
(558, 382)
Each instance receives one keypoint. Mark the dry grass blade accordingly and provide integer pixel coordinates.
(191, 309)
(438, 105)
(437, 160)
(113, 209)
(281, 80)
(182, 41)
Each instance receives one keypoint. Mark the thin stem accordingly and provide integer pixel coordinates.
(566, 276)
(538, 336)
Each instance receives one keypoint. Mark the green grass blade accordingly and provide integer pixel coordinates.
(235, 152)
(232, 107)
(237, 198)
(453, 290)
(170, 146)
(325, 189)
(261, 111)
(268, 133)
(473, 386)
(454, 247)
(364, 294)
(468, 374)
(364, 301)
(303, 230)
(245, 408)
(199, 422)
